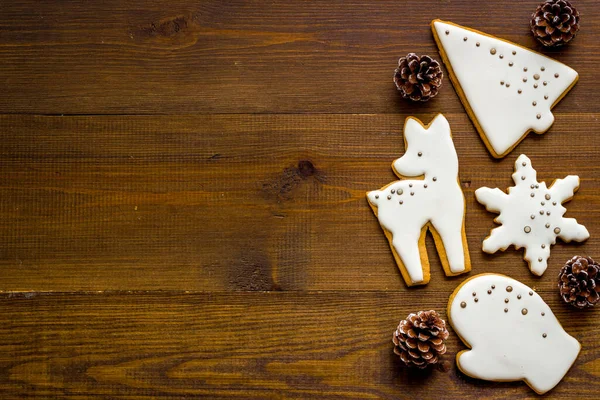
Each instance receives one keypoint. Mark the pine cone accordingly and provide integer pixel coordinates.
(579, 282)
(555, 22)
(419, 339)
(418, 78)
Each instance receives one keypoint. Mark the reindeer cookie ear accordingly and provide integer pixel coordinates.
(412, 127)
(439, 125)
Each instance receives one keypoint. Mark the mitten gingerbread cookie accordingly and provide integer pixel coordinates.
(507, 90)
(406, 209)
(531, 215)
(512, 333)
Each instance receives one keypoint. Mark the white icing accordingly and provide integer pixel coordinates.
(504, 114)
(510, 346)
(517, 208)
(405, 207)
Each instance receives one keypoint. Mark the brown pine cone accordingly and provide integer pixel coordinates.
(418, 78)
(419, 339)
(555, 22)
(579, 282)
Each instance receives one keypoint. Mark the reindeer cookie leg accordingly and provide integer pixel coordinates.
(449, 228)
(407, 248)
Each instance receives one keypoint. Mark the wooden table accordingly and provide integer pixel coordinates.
(182, 197)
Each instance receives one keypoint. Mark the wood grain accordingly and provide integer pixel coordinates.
(182, 56)
(242, 202)
(265, 346)
(182, 202)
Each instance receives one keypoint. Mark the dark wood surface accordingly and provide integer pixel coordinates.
(182, 209)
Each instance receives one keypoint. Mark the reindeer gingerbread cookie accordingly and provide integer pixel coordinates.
(434, 201)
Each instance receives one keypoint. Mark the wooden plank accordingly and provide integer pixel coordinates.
(244, 345)
(244, 202)
(176, 56)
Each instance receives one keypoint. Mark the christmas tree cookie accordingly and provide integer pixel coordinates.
(512, 333)
(531, 215)
(507, 90)
(406, 209)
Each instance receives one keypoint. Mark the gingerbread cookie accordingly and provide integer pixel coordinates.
(512, 333)
(507, 90)
(406, 209)
(531, 215)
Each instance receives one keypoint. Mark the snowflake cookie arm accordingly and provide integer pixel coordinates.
(571, 230)
(563, 189)
(493, 199)
(499, 239)
(537, 258)
(524, 172)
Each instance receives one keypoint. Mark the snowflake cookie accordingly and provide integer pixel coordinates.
(531, 215)
(512, 333)
(406, 209)
(507, 90)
